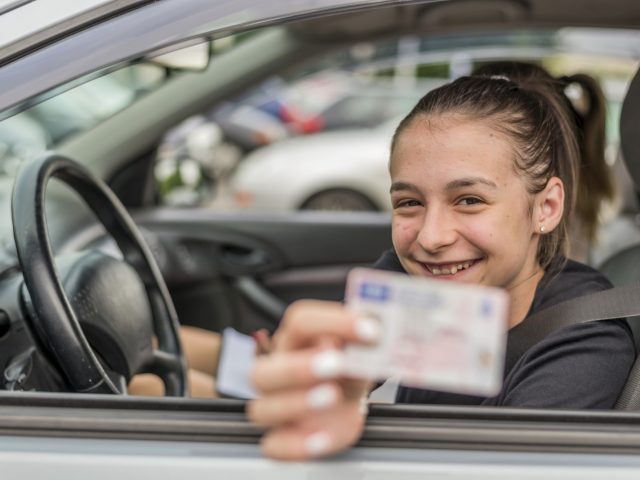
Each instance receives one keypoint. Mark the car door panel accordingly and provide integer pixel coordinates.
(100, 436)
(243, 270)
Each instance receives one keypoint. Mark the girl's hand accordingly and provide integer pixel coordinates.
(309, 408)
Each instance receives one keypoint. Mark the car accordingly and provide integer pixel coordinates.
(315, 175)
(73, 320)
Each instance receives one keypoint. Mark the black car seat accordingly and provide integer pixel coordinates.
(621, 226)
(624, 267)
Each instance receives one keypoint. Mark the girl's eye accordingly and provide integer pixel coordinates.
(470, 201)
(407, 203)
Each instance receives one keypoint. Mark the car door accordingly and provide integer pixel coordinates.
(104, 437)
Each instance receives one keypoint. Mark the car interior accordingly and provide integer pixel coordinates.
(73, 263)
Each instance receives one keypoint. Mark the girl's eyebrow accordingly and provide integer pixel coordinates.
(399, 186)
(452, 185)
(468, 182)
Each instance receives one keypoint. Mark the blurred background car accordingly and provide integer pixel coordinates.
(339, 170)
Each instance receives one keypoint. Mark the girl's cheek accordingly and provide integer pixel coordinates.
(486, 230)
(403, 232)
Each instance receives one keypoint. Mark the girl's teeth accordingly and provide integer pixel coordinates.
(451, 271)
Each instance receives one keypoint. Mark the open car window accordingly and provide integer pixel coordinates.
(260, 180)
(311, 136)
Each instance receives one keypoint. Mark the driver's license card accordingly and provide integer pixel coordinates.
(436, 334)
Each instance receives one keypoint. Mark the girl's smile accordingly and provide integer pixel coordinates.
(453, 270)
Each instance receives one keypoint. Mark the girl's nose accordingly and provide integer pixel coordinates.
(437, 230)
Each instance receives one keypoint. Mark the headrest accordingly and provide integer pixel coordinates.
(630, 130)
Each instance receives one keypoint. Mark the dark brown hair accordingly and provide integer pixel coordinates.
(595, 178)
(595, 183)
(538, 122)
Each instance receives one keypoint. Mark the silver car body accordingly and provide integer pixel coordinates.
(61, 436)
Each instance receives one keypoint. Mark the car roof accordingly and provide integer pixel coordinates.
(25, 23)
(124, 30)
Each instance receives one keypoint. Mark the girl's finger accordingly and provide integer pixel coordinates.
(292, 405)
(263, 342)
(305, 321)
(298, 369)
(319, 435)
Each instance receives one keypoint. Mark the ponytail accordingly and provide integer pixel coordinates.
(596, 183)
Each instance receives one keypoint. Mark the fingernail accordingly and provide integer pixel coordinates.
(367, 329)
(327, 364)
(364, 406)
(322, 397)
(317, 444)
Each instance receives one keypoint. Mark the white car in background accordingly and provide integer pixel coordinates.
(340, 170)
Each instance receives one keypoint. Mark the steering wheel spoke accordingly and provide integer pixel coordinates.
(167, 366)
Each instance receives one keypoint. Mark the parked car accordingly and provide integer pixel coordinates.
(344, 170)
(67, 352)
(276, 110)
(311, 105)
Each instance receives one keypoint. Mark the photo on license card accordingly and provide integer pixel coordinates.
(436, 335)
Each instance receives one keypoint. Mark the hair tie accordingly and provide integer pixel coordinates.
(501, 77)
(511, 83)
(577, 96)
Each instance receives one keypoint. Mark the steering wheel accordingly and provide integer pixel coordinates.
(121, 304)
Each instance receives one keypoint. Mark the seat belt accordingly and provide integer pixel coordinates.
(615, 303)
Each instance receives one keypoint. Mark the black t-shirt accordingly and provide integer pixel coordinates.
(575, 367)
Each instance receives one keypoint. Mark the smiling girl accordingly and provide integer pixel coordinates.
(482, 181)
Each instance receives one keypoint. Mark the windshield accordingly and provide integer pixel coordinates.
(47, 121)
(45, 125)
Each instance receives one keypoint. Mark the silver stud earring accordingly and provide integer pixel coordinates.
(541, 228)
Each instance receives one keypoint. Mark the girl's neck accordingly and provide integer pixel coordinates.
(522, 295)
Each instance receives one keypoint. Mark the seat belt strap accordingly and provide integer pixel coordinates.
(615, 303)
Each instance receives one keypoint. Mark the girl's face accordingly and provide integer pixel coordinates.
(460, 210)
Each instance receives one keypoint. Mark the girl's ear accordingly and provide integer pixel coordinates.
(549, 206)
